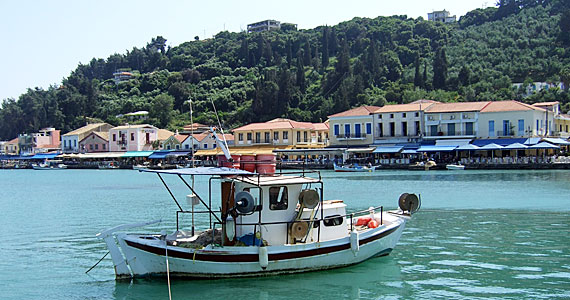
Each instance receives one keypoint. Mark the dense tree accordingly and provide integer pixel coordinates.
(310, 74)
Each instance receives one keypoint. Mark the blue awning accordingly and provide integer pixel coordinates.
(24, 157)
(392, 149)
(179, 153)
(557, 141)
(531, 141)
(436, 148)
(500, 142)
(159, 155)
(409, 151)
(45, 156)
(137, 154)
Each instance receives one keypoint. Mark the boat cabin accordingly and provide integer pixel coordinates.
(277, 216)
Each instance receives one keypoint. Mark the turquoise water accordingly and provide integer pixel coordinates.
(480, 234)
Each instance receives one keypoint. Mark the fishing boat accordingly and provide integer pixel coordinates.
(272, 223)
(50, 165)
(353, 168)
(455, 166)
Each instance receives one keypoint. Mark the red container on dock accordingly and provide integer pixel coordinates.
(266, 164)
(223, 162)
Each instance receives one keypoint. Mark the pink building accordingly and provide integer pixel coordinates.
(95, 142)
(132, 137)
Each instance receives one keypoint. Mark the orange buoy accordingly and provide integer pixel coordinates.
(372, 224)
(363, 221)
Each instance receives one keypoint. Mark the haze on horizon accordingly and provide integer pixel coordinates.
(48, 39)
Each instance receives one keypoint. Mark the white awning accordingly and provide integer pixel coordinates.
(452, 142)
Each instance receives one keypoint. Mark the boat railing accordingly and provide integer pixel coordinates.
(349, 216)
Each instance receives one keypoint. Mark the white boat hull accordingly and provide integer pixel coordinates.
(353, 169)
(455, 167)
(146, 257)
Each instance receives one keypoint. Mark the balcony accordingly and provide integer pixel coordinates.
(506, 133)
(352, 136)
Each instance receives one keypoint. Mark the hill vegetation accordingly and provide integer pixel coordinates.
(309, 74)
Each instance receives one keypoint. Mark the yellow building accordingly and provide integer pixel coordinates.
(562, 126)
(282, 132)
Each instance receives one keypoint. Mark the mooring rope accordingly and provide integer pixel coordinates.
(98, 262)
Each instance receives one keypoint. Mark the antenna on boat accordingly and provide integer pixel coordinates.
(223, 143)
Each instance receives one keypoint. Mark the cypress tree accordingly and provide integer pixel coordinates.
(439, 69)
(417, 75)
(301, 82)
(307, 54)
(289, 53)
(325, 50)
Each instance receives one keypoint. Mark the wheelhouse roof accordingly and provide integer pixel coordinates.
(208, 171)
(264, 180)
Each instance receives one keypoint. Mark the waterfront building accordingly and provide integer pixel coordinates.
(96, 141)
(503, 119)
(353, 127)
(174, 141)
(11, 147)
(453, 120)
(282, 132)
(45, 140)
(195, 128)
(70, 140)
(562, 126)
(133, 137)
(3, 147)
(400, 123)
(163, 135)
(441, 16)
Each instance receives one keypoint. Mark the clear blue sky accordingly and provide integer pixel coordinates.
(43, 41)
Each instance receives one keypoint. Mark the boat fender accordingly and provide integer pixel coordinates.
(230, 228)
(354, 245)
(263, 257)
(373, 224)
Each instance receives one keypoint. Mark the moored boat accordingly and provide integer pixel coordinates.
(455, 167)
(354, 168)
(50, 165)
(266, 224)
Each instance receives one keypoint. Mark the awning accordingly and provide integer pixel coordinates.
(543, 145)
(360, 150)
(516, 146)
(557, 141)
(500, 142)
(394, 149)
(467, 147)
(24, 157)
(45, 155)
(138, 153)
(491, 146)
(452, 142)
(100, 155)
(179, 153)
(159, 155)
(531, 141)
(436, 148)
(409, 151)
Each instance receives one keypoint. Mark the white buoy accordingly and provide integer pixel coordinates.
(354, 245)
(230, 228)
(263, 257)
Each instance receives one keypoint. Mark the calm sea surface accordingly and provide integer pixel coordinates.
(480, 234)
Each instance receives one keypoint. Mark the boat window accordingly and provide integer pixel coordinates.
(333, 220)
(278, 198)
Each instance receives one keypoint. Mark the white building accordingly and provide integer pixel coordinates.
(441, 16)
(353, 127)
(400, 123)
(132, 138)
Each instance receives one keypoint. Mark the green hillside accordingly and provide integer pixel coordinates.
(309, 74)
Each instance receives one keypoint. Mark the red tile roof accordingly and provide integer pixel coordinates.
(181, 137)
(358, 111)
(13, 141)
(509, 105)
(456, 107)
(281, 124)
(414, 106)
